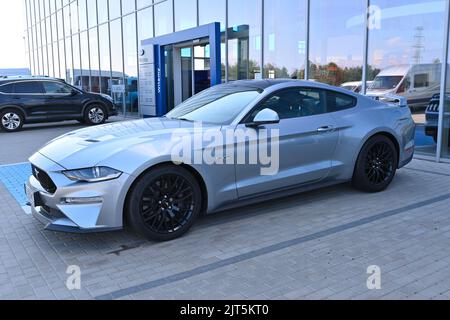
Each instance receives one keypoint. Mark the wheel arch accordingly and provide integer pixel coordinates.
(14, 107)
(188, 168)
(92, 102)
(372, 135)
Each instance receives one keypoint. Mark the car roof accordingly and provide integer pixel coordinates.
(267, 83)
(9, 79)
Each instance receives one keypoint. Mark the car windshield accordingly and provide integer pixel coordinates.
(386, 82)
(218, 105)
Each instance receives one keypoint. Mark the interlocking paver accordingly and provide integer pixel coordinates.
(412, 247)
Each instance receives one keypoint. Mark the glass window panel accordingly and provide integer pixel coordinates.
(95, 66)
(60, 29)
(67, 24)
(102, 10)
(85, 66)
(130, 64)
(74, 16)
(128, 6)
(105, 67)
(244, 39)
(76, 61)
(114, 9)
(69, 61)
(117, 86)
(284, 43)
(212, 13)
(163, 18)
(62, 59)
(185, 14)
(337, 41)
(143, 3)
(405, 56)
(145, 24)
(92, 13)
(82, 12)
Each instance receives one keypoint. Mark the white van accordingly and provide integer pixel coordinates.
(417, 83)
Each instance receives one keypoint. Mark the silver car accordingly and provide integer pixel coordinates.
(96, 179)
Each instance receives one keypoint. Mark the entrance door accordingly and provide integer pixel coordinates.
(175, 66)
(188, 70)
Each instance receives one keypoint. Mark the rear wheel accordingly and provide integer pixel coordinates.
(165, 203)
(95, 114)
(376, 165)
(11, 120)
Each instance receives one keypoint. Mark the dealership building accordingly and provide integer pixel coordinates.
(150, 55)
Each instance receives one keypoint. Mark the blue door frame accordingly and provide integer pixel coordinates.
(211, 31)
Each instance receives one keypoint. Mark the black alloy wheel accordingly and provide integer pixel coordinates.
(376, 165)
(165, 203)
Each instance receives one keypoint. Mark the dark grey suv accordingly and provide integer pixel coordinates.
(35, 100)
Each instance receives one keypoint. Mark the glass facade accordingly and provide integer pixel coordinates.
(402, 48)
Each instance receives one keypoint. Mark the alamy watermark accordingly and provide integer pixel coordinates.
(242, 146)
(73, 282)
(374, 280)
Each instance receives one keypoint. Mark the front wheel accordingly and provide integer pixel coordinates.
(95, 115)
(376, 165)
(164, 203)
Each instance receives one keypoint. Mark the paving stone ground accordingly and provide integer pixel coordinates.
(316, 245)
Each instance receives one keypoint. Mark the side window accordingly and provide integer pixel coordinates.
(30, 87)
(421, 80)
(294, 103)
(7, 88)
(56, 88)
(338, 101)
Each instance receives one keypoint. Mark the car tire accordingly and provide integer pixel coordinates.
(376, 165)
(11, 120)
(95, 114)
(164, 203)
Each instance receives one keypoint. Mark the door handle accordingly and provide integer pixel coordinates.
(325, 129)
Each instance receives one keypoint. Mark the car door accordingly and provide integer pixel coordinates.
(63, 101)
(30, 95)
(307, 142)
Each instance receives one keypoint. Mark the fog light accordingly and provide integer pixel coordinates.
(82, 200)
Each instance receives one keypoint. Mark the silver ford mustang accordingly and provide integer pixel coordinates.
(96, 179)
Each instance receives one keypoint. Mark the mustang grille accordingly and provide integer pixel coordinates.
(44, 179)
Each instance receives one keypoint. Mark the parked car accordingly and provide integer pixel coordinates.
(417, 83)
(43, 99)
(94, 179)
(432, 117)
(355, 86)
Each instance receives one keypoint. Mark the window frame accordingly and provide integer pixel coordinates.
(247, 118)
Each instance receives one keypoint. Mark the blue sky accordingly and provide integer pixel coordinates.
(12, 22)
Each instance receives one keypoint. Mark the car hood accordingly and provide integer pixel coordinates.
(88, 147)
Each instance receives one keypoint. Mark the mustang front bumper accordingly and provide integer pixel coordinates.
(75, 207)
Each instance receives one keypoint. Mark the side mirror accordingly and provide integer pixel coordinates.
(265, 117)
(73, 92)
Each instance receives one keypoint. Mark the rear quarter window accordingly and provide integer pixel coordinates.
(7, 88)
(337, 101)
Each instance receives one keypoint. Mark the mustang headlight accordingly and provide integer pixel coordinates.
(95, 174)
